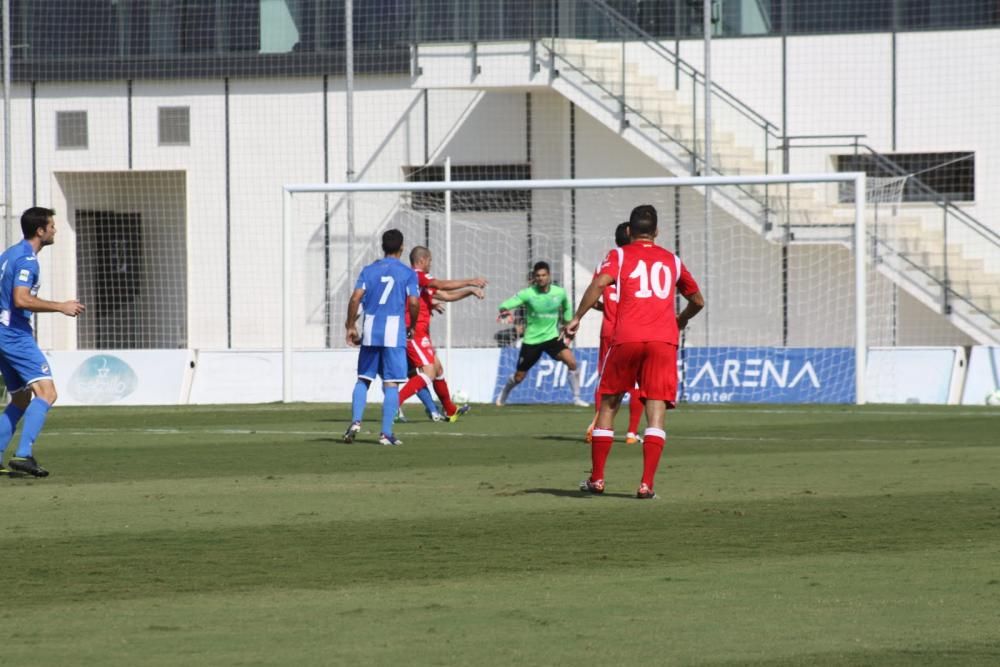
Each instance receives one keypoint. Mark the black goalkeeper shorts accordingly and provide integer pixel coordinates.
(530, 354)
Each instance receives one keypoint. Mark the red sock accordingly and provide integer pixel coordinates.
(412, 386)
(652, 448)
(634, 412)
(441, 389)
(600, 447)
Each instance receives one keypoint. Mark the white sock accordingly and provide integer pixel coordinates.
(574, 383)
(505, 392)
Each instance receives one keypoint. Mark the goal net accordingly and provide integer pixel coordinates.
(790, 301)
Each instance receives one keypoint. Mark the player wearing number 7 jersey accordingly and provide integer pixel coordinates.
(386, 290)
(644, 344)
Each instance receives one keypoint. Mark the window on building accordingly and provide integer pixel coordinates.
(68, 30)
(931, 176)
(71, 129)
(492, 201)
(175, 126)
(938, 14)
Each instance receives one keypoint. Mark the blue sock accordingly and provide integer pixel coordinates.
(8, 424)
(389, 408)
(425, 397)
(358, 401)
(34, 420)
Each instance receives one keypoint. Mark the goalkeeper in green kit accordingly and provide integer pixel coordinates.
(543, 303)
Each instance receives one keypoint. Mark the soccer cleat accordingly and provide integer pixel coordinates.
(592, 486)
(389, 440)
(400, 417)
(645, 493)
(27, 465)
(437, 417)
(351, 432)
(632, 439)
(499, 402)
(453, 417)
(580, 403)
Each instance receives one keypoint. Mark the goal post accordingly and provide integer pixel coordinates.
(761, 220)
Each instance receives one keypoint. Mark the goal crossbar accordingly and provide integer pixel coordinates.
(447, 186)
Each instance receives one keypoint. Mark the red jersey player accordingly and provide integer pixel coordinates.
(609, 306)
(420, 349)
(644, 344)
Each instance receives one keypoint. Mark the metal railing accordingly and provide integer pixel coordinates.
(750, 127)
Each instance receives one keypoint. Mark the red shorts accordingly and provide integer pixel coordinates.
(420, 349)
(653, 365)
(603, 351)
(601, 354)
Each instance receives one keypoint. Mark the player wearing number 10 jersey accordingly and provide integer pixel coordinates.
(644, 344)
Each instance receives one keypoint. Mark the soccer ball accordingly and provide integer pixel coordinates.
(460, 397)
(993, 398)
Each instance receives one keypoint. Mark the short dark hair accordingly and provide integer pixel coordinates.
(539, 266)
(642, 221)
(418, 253)
(392, 241)
(34, 219)
(622, 236)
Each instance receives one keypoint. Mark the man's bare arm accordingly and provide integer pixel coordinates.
(25, 300)
(351, 325)
(457, 283)
(590, 297)
(695, 303)
(459, 294)
(413, 305)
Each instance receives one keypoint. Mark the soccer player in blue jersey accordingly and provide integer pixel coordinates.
(385, 290)
(25, 369)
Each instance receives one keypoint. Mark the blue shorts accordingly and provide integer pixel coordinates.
(387, 362)
(21, 362)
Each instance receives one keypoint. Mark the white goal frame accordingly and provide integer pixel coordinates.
(448, 186)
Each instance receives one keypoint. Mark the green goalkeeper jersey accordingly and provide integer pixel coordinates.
(542, 311)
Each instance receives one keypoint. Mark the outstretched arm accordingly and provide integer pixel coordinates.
(459, 294)
(25, 300)
(509, 305)
(457, 283)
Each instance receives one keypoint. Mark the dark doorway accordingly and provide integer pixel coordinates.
(109, 272)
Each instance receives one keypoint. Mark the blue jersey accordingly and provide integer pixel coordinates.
(387, 284)
(18, 268)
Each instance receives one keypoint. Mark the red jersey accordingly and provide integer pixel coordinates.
(610, 300)
(647, 277)
(426, 303)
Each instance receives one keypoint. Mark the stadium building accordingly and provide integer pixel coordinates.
(164, 132)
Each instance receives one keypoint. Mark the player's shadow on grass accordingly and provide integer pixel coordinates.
(563, 438)
(333, 440)
(574, 493)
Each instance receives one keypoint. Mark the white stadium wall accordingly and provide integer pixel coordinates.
(275, 133)
(180, 377)
(841, 84)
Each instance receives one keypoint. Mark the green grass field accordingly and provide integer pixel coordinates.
(253, 536)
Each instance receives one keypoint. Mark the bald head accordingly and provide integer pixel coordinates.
(420, 255)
